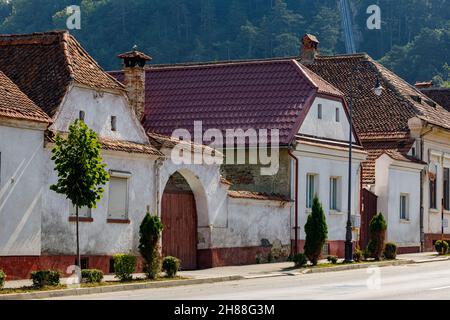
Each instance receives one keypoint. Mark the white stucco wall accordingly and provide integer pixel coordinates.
(21, 190)
(326, 163)
(250, 221)
(99, 237)
(394, 178)
(98, 108)
(436, 151)
(327, 127)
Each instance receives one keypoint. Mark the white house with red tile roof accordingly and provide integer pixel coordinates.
(406, 135)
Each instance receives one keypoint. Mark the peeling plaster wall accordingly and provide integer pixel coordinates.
(250, 222)
(98, 108)
(21, 189)
(99, 237)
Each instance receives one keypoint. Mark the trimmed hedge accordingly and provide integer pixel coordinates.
(441, 247)
(92, 275)
(2, 279)
(332, 259)
(42, 278)
(124, 266)
(171, 266)
(357, 255)
(390, 251)
(300, 260)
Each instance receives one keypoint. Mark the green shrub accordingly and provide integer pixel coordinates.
(42, 278)
(2, 279)
(332, 259)
(357, 255)
(366, 253)
(171, 265)
(390, 251)
(441, 247)
(299, 260)
(258, 259)
(149, 235)
(377, 228)
(316, 232)
(124, 266)
(270, 257)
(92, 275)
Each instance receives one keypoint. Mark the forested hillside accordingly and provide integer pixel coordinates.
(414, 40)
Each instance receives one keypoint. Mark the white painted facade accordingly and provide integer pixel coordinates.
(325, 161)
(99, 237)
(333, 123)
(394, 180)
(22, 161)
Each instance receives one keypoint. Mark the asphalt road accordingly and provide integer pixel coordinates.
(417, 281)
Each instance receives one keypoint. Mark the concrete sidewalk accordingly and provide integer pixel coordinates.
(253, 271)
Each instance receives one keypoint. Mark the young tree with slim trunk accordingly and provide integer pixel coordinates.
(81, 172)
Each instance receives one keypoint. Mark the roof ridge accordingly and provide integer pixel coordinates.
(217, 63)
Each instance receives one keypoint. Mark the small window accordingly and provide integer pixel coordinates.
(413, 151)
(337, 115)
(334, 193)
(319, 111)
(404, 207)
(81, 115)
(113, 123)
(433, 196)
(118, 198)
(311, 189)
(83, 212)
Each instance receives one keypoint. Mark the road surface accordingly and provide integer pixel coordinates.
(416, 281)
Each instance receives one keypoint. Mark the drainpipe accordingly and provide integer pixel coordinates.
(158, 164)
(296, 201)
(422, 213)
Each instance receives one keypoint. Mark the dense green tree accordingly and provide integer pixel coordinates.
(149, 235)
(316, 232)
(413, 39)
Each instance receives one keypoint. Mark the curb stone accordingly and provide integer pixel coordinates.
(358, 266)
(114, 288)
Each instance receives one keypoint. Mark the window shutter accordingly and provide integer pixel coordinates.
(118, 198)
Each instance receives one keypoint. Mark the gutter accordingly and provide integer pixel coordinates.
(296, 202)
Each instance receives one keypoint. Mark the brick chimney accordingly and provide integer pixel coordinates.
(134, 79)
(309, 49)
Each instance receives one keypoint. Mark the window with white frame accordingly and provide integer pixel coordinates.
(311, 188)
(404, 206)
(335, 186)
(83, 212)
(118, 195)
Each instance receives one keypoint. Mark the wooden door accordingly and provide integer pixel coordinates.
(369, 209)
(179, 237)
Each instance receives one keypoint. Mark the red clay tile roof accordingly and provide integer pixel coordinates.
(115, 145)
(15, 104)
(396, 149)
(384, 116)
(258, 94)
(439, 95)
(43, 65)
(256, 196)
